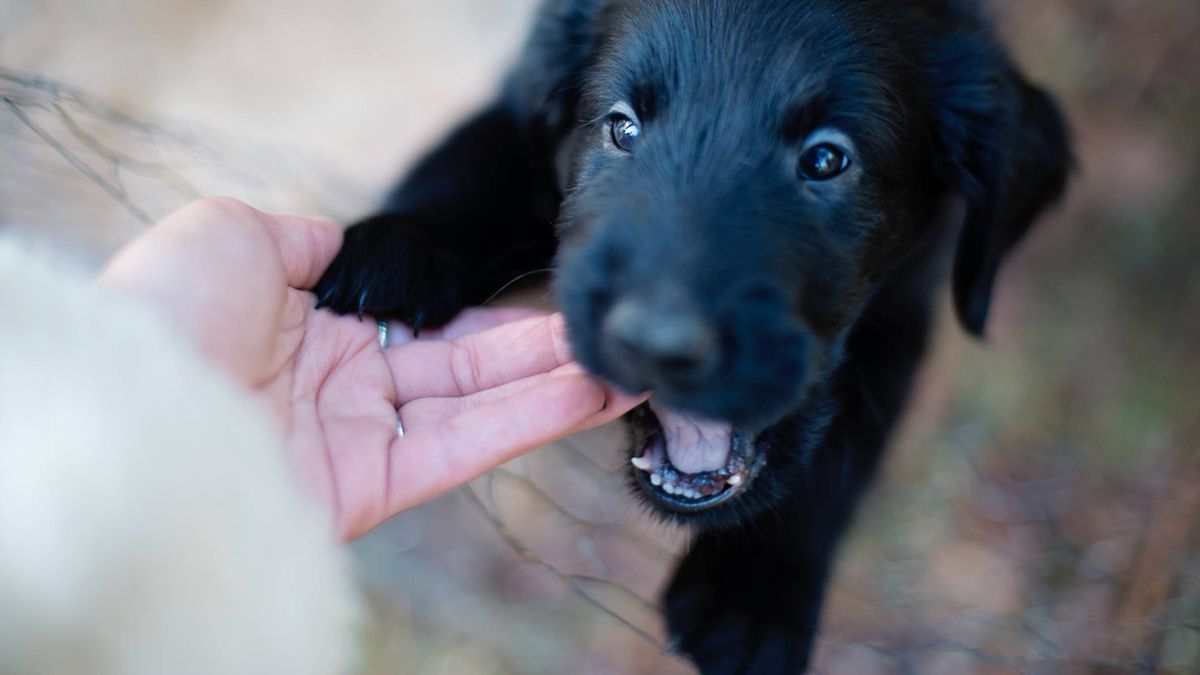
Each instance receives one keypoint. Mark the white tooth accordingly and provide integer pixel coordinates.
(734, 480)
(669, 488)
(656, 479)
(642, 463)
(693, 494)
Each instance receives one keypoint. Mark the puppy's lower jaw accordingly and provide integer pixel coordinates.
(688, 465)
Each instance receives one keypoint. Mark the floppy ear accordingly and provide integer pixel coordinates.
(1003, 143)
(545, 85)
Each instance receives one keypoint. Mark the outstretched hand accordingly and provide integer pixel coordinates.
(486, 388)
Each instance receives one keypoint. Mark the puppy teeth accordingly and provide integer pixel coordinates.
(734, 480)
(642, 463)
(656, 479)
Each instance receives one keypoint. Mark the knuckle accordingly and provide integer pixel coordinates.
(465, 367)
(560, 340)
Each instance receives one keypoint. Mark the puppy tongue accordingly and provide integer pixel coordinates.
(694, 445)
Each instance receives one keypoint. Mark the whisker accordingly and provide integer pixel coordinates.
(856, 379)
(519, 277)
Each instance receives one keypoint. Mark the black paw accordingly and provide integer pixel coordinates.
(388, 267)
(732, 614)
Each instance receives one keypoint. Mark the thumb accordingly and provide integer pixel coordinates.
(306, 245)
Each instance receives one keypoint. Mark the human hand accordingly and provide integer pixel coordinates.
(234, 281)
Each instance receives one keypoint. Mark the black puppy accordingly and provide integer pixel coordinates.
(748, 203)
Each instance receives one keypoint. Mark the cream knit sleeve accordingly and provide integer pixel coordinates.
(149, 523)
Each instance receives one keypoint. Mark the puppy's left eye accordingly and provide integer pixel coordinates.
(624, 131)
(823, 161)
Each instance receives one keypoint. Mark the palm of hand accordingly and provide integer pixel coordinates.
(343, 397)
(335, 394)
(232, 280)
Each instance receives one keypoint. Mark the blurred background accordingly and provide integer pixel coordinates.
(1038, 512)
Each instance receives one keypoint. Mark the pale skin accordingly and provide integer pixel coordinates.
(490, 386)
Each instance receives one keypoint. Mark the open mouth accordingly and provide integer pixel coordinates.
(688, 464)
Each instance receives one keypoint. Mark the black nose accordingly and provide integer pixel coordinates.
(662, 342)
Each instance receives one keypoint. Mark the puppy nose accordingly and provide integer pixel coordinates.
(666, 341)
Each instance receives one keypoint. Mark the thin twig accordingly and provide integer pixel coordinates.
(521, 550)
(132, 164)
(113, 191)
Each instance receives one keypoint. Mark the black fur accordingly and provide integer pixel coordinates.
(816, 295)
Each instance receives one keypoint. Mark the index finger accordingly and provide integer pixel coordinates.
(478, 361)
(432, 460)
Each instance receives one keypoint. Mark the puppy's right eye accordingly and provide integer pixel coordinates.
(822, 162)
(624, 131)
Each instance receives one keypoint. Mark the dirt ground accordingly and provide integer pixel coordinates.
(1038, 512)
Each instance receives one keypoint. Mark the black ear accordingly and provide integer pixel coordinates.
(1002, 143)
(545, 85)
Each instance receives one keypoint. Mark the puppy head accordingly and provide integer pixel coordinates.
(740, 179)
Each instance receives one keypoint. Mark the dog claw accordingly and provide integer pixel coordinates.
(418, 322)
(362, 303)
(327, 293)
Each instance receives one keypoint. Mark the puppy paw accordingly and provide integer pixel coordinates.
(731, 614)
(737, 642)
(388, 267)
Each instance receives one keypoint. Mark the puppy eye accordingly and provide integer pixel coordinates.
(624, 131)
(823, 161)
